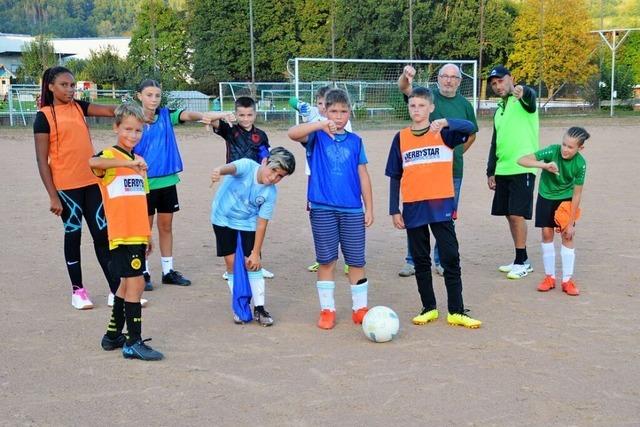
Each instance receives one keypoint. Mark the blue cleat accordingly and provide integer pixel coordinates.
(139, 350)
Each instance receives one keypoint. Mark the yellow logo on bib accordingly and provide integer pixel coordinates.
(136, 263)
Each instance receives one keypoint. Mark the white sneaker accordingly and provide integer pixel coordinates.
(507, 268)
(80, 299)
(439, 270)
(518, 271)
(143, 302)
(267, 274)
(225, 276)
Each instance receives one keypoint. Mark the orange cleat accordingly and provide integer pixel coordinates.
(327, 319)
(570, 288)
(547, 284)
(358, 315)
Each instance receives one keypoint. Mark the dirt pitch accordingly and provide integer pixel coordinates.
(538, 360)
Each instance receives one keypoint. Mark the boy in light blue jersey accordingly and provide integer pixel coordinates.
(244, 204)
(338, 186)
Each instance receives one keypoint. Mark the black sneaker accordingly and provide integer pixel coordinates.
(109, 344)
(139, 350)
(262, 316)
(148, 286)
(175, 278)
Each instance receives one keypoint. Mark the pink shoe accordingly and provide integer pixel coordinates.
(80, 299)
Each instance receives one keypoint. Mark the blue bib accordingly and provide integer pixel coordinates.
(159, 147)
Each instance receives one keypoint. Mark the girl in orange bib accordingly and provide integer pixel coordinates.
(63, 149)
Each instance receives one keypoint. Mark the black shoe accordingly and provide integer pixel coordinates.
(175, 278)
(262, 316)
(109, 344)
(148, 286)
(139, 350)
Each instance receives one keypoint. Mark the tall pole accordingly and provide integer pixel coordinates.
(541, 58)
(253, 60)
(481, 42)
(411, 30)
(613, 71)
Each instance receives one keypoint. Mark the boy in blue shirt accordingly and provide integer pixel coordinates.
(338, 186)
(244, 204)
(419, 168)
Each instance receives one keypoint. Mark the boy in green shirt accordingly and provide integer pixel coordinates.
(561, 180)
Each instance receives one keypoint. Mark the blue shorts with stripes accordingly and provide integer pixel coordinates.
(331, 228)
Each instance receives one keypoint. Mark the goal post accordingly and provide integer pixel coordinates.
(372, 83)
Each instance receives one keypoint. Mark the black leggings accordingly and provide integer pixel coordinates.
(85, 202)
(420, 247)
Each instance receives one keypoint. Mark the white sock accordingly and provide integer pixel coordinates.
(230, 283)
(568, 259)
(549, 259)
(167, 264)
(256, 281)
(359, 295)
(325, 293)
(146, 266)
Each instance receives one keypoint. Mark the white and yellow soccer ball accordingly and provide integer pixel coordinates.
(380, 324)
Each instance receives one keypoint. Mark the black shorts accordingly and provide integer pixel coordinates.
(546, 210)
(163, 200)
(514, 195)
(128, 260)
(227, 240)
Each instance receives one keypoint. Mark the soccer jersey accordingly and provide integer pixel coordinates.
(334, 182)
(240, 200)
(70, 145)
(571, 172)
(425, 160)
(124, 193)
(243, 144)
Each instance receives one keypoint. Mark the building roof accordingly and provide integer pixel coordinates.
(187, 94)
(6, 73)
(77, 47)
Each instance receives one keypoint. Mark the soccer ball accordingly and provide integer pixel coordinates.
(380, 324)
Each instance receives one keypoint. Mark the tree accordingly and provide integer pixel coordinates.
(556, 52)
(105, 67)
(37, 56)
(220, 42)
(159, 45)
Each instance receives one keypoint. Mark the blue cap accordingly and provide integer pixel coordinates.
(499, 71)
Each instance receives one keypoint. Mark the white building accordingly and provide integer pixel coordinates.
(11, 46)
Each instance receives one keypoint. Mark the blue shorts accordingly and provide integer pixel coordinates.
(331, 228)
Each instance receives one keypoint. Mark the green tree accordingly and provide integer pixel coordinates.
(556, 52)
(37, 56)
(159, 45)
(219, 30)
(114, 17)
(105, 67)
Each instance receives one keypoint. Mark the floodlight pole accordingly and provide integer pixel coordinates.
(614, 46)
(411, 30)
(253, 61)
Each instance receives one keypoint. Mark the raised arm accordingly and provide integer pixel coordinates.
(405, 81)
(228, 169)
(302, 131)
(100, 110)
(530, 161)
(207, 118)
(102, 164)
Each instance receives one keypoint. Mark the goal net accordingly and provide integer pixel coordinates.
(372, 84)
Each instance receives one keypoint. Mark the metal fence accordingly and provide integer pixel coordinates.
(19, 104)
